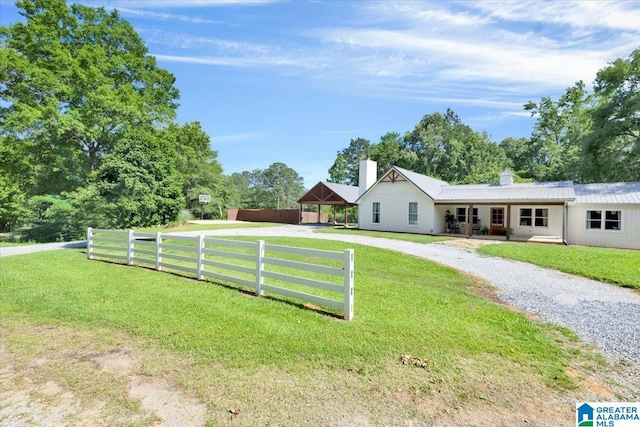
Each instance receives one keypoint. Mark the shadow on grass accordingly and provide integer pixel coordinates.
(301, 305)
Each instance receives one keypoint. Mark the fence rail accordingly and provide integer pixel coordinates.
(330, 274)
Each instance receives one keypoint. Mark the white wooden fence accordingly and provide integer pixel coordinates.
(237, 262)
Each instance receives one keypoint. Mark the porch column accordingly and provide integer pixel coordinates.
(319, 213)
(470, 220)
(508, 222)
(346, 215)
(334, 214)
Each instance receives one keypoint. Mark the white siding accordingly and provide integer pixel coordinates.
(554, 224)
(628, 237)
(554, 227)
(394, 199)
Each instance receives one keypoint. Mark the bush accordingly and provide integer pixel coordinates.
(184, 216)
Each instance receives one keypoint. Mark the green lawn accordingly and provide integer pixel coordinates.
(618, 266)
(403, 305)
(408, 237)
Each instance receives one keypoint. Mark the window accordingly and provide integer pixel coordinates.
(542, 218)
(497, 216)
(461, 215)
(526, 217)
(538, 217)
(376, 213)
(612, 220)
(594, 219)
(413, 213)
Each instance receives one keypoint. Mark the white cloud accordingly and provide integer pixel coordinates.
(577, 14)
(166, 16)
(480, 53)
(155, 4)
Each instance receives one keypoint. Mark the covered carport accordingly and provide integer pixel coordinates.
(328, 193)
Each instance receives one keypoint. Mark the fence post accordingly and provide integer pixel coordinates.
(348, 283)
(130, 248)
(89, 243)
(158, 251)
(259, 267)
(200, 256)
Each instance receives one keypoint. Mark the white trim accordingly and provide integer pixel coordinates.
(373, 212)
(603, 220)
(417, 223)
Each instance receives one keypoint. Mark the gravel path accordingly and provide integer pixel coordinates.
(603, 314)
(28, 249)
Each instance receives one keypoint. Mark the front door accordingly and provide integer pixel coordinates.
(497, 221)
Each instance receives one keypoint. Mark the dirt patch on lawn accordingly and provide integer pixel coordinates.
(57, 376)
(469, 244)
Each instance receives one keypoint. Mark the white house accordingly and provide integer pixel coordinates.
(589, 214)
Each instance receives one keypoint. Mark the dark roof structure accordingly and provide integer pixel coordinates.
(329, 193)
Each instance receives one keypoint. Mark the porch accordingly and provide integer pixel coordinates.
(541, 221)
(556, 240)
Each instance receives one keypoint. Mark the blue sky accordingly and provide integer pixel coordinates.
(294, 81)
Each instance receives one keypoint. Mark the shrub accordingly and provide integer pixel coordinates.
(184, 216)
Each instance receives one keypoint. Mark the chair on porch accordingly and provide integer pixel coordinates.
(476, 227)
(454, 227)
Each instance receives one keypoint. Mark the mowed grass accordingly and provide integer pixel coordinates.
(617, 266)
(403, 306)
(407, 237)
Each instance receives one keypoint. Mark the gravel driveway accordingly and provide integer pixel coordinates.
(603, 314)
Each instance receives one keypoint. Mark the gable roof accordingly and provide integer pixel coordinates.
(431, 187)
(329, 193)
(441, 191)
(610, 192)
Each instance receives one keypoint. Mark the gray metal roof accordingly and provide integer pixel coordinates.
(431, 186)
(532, 191)
(611, 193)
(557, 191)
(348, 192)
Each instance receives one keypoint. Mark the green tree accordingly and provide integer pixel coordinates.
(345, 169)
(558, 133)
(72, 80)
(520, 155)
(137, 183)
(612, 149)
(283, 185)
(198, 165)
(391, 151)
(446, 148)
(277, 187)
(84, 111)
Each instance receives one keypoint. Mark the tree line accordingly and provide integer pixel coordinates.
(583, 136)
(89, 137)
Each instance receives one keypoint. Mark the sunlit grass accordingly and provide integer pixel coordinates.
(403, 305)
(618, 266)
